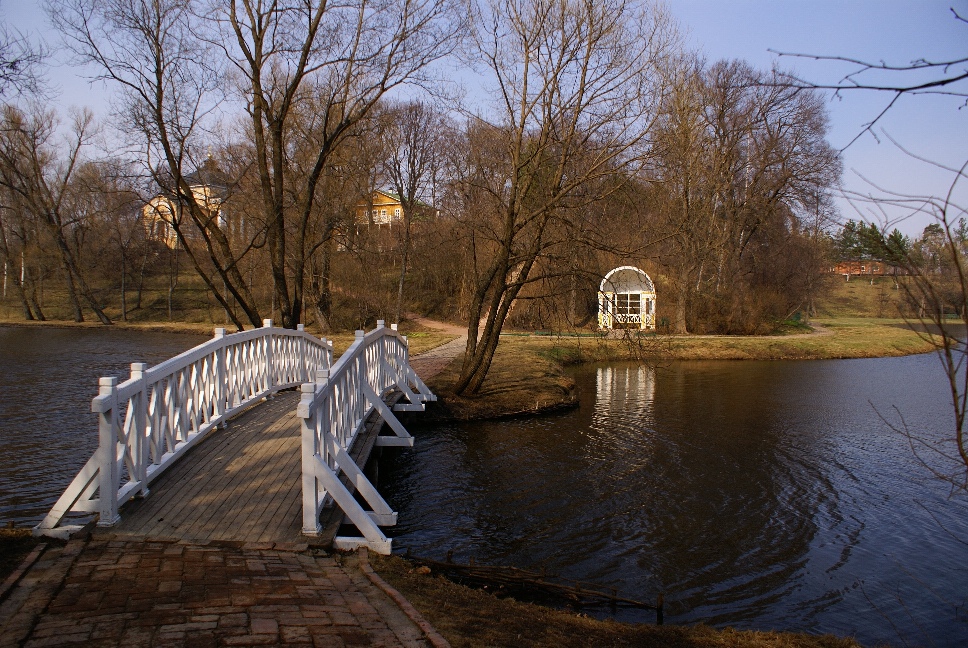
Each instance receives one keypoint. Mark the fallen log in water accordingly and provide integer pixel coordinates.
(512, 580)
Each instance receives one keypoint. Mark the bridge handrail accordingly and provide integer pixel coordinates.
(156, 415)
(334, 409)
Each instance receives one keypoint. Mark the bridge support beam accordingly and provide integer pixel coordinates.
(403, 437)
(368, 522)
(334, 409)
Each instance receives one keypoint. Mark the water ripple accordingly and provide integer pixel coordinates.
(758, 495)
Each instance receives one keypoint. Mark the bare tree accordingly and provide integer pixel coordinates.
(577, 86)
(171, 87)
(40, 182)
(342, 57)
(20, 63)
(110, 235)
(9, 215)
(171, 57)
(412, 136)
(742, 163)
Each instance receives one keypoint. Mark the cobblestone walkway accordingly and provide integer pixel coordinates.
(116, 593)
(430, 363)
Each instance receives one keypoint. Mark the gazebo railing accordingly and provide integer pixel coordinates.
(152, 418)
(635, 318)
(334, 409)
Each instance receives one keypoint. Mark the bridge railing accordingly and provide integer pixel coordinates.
(149, 420)
(334, 409)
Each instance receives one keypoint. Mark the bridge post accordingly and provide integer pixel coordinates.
(270, 369)
(357, 409)
(310, 483)
(107, 451)
(221, 393)
(139, 429)
(304, 370)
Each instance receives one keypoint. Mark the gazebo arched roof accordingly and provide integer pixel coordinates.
(627, 279)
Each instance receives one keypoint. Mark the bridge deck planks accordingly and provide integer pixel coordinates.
(240, 484)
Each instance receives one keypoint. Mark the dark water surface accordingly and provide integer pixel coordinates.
(766, 495)
(48, 377)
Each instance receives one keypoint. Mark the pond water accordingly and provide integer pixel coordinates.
(764, 495)
(48, 377)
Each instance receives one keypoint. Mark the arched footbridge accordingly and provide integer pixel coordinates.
(256, 436)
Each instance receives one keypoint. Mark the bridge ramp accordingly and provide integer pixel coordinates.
(242, 484)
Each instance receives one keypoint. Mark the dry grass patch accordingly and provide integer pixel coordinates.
(522, 380)
(856, 337)
(470, 618)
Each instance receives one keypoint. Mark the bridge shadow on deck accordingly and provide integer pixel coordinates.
(240, 484)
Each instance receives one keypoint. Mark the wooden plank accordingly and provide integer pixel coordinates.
(168, 490)
(268, 486)
(190, 501)
(287, 491)
(267, 478)
(193, 492)
(242, 482)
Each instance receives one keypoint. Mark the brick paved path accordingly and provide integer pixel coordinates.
(117, 593)
(430, 363)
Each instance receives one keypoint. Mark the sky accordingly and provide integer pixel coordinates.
(895, 31)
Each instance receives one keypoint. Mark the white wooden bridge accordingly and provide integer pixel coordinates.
(218, 444)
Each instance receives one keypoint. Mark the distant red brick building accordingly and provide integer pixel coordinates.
(865, 268)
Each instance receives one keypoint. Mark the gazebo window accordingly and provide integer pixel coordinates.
(627, 304)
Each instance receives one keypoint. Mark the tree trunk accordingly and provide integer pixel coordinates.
(679, 323)
(324, 298)
(72, 292)
(73, 273)
(124, 301)
(403, 264)
(141, 279)
(172, 279)
(9, 270)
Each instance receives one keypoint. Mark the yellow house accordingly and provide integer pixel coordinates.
(209, 187)
(383, 208)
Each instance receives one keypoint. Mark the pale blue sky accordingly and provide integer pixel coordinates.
(896, 31)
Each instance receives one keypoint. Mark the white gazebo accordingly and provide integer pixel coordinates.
(626, 299)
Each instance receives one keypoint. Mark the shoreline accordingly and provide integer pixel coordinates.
(154, 327)
(529, 374)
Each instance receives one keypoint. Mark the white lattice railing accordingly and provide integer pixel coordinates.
(334, 409)
(148, 421)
